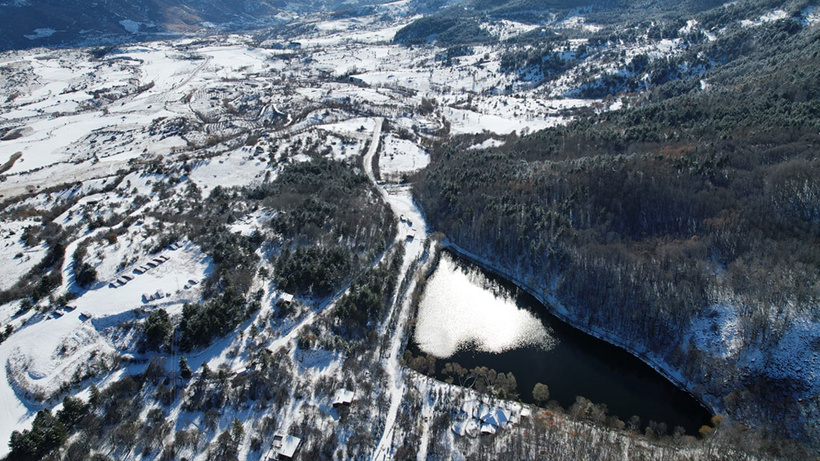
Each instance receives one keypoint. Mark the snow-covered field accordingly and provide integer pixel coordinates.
(401, 156)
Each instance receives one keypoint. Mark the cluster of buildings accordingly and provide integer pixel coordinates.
(480, 418)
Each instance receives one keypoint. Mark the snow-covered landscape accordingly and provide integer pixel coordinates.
(233, 112)
(144, 183)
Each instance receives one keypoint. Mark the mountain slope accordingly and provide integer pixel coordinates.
(32, 23)
(60, 22)
(458, 24)
(684, 227)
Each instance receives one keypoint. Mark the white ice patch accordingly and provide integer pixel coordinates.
(488, 144)
(131, 26)
(457, 312)
(42, 32)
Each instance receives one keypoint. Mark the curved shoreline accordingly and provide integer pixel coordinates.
(550, 306)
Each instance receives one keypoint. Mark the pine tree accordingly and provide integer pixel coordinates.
(184, 369)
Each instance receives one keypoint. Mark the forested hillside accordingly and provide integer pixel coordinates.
(686, 226)
(461, 23)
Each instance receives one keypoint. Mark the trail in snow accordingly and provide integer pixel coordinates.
(427, 414)
(401, 203)
(412, 230)
(368, 157)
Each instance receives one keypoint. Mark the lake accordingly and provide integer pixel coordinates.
(473, 317)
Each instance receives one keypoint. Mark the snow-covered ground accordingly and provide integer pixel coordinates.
(105, 139)
(18, 258)
(222, 112)
(401, 156)
(716, 331)
(42, 356)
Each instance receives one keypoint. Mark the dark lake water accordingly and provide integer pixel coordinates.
(476, 318)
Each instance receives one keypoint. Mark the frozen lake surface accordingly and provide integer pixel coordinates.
(475, 318)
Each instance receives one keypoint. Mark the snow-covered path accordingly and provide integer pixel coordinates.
(413, 231)
(374, 147)
(411, 223)
(427, 414)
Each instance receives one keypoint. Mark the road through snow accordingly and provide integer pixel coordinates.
(413, 232)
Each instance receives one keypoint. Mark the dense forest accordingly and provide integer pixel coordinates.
(697, 201)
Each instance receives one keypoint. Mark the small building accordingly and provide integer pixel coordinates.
(470, 408)
(139, 271)
(343, 397)
(284, 447)
(497, 417)
(286, 298)
(488, 429)
(465, 427)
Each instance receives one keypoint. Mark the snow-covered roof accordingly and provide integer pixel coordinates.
(487, 429)
(498, 417)
(286, 297)
(286, 445)
(342, 397)
(470, 407)
(466, 427)
(502, 416)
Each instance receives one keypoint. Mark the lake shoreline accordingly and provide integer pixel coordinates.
(550, 305)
